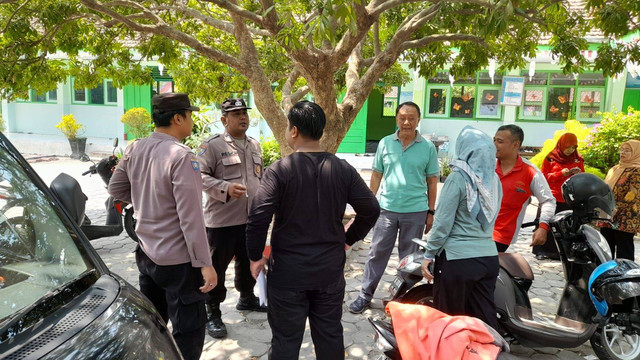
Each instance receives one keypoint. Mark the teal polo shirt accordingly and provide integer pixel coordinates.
(404, 173)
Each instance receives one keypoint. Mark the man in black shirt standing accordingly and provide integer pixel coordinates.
(308, 192)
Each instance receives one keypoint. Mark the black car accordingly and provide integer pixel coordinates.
(58, 300)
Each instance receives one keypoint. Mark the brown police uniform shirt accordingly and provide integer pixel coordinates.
(223, 162)
(161, 178)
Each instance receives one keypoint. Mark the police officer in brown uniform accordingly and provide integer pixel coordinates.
(231, 166)
(161, 178)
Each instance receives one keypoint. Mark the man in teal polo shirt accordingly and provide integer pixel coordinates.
(409, 166)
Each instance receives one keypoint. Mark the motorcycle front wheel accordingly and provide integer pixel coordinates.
(130, 224)
(610, 342)
(421, 295)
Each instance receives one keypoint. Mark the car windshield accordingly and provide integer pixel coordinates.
(39, 252)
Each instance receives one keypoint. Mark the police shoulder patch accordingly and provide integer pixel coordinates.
(202, 149)
(195, 165)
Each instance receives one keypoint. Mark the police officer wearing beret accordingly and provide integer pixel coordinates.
(231, 165)
(161, 178)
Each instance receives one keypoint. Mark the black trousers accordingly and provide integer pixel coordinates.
(549, 248)
(620, 242)
(501, 247)
(225, 243)
(174, 291)
(288, 311)
(466, 287)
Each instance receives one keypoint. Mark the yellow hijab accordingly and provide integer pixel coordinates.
(614, 174)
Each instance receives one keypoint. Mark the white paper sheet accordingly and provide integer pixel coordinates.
(262, 289)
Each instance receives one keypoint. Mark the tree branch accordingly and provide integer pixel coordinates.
(349, 40)
(133, 5)
(167, 31)
(443, 37)
(291, 79)
(289, 99)
(271, 16)
(12, 15)
(383, 61)
(238, 10)
(208, 20)
(354, 65)
(377, 7)
(299, 94)
(376, 37)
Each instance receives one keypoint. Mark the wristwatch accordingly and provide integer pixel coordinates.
(431, 212)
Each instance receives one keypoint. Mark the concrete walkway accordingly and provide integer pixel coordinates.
(249, 333)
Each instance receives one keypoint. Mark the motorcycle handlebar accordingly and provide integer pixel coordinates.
(87, 172)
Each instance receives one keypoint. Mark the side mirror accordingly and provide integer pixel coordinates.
(115, 142)
(67, 190)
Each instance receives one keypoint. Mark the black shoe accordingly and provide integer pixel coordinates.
(250, 303)
(216, 328)
(359, 305)
(541, 257)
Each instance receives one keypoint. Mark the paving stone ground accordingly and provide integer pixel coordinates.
(249, 333)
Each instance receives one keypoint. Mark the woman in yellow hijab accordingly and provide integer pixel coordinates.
(624, 181)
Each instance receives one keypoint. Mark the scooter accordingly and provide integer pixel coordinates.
(116, 209)
(599, 301)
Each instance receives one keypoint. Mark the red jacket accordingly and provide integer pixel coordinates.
(552, 171)
(424, 333)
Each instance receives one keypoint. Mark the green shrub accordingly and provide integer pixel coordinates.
(201, 129)
(3, 127)
(270, 150)
(445, 168)
(602, 149)
(138, 122)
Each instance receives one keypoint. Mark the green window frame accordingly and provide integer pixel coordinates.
(49, 97)
(438, 100)
(487, 102)
(103, 94)
(584, 93)
(534, 103)
(472, 89)
(589, 101)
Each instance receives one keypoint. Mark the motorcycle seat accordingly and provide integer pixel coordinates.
(515, 265)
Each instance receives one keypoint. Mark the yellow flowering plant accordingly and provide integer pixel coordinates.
(69, 126)
(138, 121)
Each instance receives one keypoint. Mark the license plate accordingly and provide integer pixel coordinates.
(395, 285)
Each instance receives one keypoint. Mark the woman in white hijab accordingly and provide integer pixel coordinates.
(460, 242)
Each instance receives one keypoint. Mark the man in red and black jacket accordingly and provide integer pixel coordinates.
(520, 180)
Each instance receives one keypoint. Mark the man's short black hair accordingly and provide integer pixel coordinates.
(164, 118)
(515, 130)
(408, 103)
(309, 118)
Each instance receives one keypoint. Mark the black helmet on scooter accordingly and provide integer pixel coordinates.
(613, 282)
(588, 196)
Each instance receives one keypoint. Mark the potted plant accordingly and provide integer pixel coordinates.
(138, 122)
(70, 128)
(445, 169)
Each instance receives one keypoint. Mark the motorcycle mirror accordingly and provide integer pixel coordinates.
(115, 142)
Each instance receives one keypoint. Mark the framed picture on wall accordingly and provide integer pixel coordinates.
(512, 90)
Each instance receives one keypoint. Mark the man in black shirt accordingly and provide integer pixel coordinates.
(308, 192)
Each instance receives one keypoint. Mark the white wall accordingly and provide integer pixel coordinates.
(99, 120)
